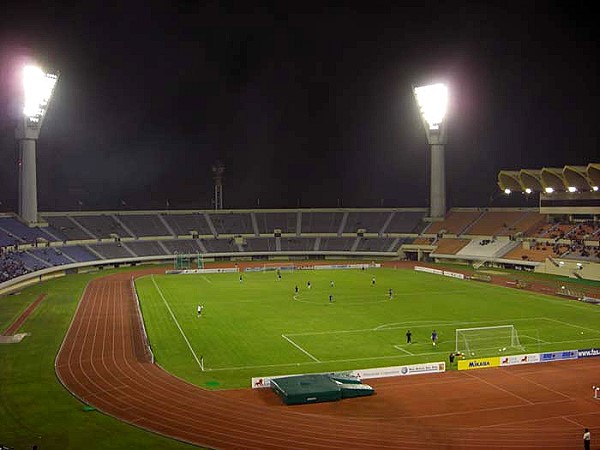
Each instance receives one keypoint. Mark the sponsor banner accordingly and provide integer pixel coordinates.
(588, 352)
(478, 363)
(454, 275)
(398, 371)
(514, 360)
(429, 270)
(382, 372)
(346, 266)
(197, 271)
(558, 356)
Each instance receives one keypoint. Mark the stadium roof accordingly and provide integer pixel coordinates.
(551, 179)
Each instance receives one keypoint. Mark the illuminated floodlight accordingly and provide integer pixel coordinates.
(572, 189)
(507, 191)
(549, 190)
(528, 191)
(595, 188)
(433, 103)
(38, 87)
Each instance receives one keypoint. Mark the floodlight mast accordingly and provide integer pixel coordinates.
(433, 102)
(38, 87)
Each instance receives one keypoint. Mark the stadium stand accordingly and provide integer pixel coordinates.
(496, 223)
(530, 254)
(183, 246)
(68, 227)
(454, 223)
(268, 222)
(220, 245)
(102, 226)
(371, 222)
(78, 253)
(336, 244)
(259, 245)
(406, 222)
(378, 245)
(110, 251)
(19, 233)
(321, 222)
(142, 225)
(78, 237)
(448, 246)
(10, 266)
(185, 224)
(297, 244)
(232, 223)
(52, 256)
(147, 248)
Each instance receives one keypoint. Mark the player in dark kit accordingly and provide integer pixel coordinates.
(408, 337)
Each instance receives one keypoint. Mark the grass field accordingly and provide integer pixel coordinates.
(34, 407)
(261, 327)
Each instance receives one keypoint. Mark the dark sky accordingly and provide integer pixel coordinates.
(303, 104)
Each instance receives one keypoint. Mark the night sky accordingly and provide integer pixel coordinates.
(305, 105)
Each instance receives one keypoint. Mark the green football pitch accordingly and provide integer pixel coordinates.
(261, 327)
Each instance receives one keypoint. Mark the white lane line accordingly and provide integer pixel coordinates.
(299, 348)
(178, 326)
(571, 325)
(206, 279)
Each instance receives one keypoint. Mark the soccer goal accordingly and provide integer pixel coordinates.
(484, 341)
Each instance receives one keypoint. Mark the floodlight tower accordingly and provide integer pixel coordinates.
(218, 169)
(37, 88)
(433, 102)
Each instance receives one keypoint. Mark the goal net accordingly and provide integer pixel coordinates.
(484, 341)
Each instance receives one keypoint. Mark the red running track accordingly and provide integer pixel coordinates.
(102, 361)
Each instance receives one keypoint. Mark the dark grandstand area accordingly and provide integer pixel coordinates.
(522, 238)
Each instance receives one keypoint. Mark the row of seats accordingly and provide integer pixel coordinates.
(81, 227)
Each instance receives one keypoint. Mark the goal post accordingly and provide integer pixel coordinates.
(485, 341)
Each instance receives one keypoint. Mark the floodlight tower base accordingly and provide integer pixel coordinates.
(28, 206)
(438, 182)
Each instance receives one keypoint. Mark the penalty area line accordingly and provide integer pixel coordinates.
(399, 347)
(200, 364)
(300, 348)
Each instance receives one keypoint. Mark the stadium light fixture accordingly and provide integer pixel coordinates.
(507, 191)
(572, 189)
(549, 190)
(595, 188)
(38, 87)
(432, 101)
(528, 191)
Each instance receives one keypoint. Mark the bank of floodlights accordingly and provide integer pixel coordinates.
(37, 89)
(432, 101)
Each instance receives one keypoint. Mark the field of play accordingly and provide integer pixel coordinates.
(261, 326)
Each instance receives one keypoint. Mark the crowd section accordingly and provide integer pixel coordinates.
(10, 266)
(86, 236)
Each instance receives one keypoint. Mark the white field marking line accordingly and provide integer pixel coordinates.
(178, 326)
(206, 279)
(330, 361)
(539, 296)
(499, 388)
(535, 339)
(299, 348)
(571, 325)
(421, 325)
(399, 347)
